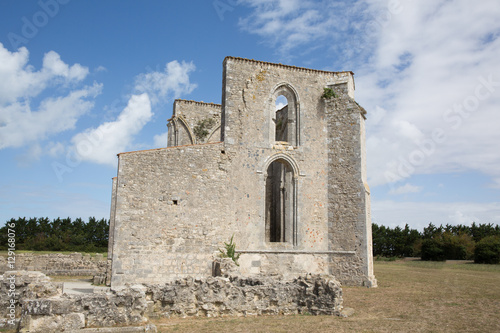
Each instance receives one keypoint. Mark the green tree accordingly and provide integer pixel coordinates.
(488, 250)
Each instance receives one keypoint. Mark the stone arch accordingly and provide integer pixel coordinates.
(182, 134)
(285, 157)
(280, 192)
(214, 131)
(289, 117)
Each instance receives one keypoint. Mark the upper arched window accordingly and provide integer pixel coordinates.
(281, 119)
(284, 124)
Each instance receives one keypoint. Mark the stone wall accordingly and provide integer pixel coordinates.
(168, 227)
(40, 307)
(349, 229)
(59, 264)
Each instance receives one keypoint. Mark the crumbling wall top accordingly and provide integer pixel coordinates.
(286, 66)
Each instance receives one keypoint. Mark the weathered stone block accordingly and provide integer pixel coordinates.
(53, 323)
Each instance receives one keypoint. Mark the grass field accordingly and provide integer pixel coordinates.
(412, 296)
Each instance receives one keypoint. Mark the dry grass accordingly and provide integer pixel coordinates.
(412, 296)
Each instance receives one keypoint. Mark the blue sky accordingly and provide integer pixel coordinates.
(81, 81)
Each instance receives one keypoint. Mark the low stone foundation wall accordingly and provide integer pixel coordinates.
(236, 296)
(59, 264)
(40, 307)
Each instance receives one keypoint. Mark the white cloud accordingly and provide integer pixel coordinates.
(20, 80)
(101, 69)
(460, 218)
(101, 144)
(160, 140)
(54, 66)
(434, 73)
(406, 188)
(280, 106)
(169, 84)
(21, 123)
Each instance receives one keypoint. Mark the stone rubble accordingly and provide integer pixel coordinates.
(42, 307)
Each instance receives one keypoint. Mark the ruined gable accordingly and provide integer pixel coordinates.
(194, 123)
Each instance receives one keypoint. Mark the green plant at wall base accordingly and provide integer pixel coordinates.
(202, 127)
(328, 93)
(230, 251)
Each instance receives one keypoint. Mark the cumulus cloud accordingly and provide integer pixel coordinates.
(169, 84)
(22, 123)
(434, 77)
(21, 80)
(101, 144)
(54, 66)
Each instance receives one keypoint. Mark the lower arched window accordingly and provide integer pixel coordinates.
(279, 202)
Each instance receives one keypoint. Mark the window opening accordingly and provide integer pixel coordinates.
(279, 202)
(281, 119)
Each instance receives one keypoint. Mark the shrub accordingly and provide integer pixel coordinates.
(328, 93)
(447, 246)
(432, 249)
(488, 250)
(201, 130)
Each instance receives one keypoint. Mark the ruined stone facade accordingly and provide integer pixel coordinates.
(288, 184)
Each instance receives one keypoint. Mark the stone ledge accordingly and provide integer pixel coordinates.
(295, 252)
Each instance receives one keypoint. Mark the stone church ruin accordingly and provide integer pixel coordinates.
(287, 181)
(278, 167)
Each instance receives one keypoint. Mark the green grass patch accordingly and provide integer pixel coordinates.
(450, 264)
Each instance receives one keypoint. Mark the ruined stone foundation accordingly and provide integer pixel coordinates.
(41, 305)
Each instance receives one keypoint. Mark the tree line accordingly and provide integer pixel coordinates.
(478, 242)
(42, 234)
